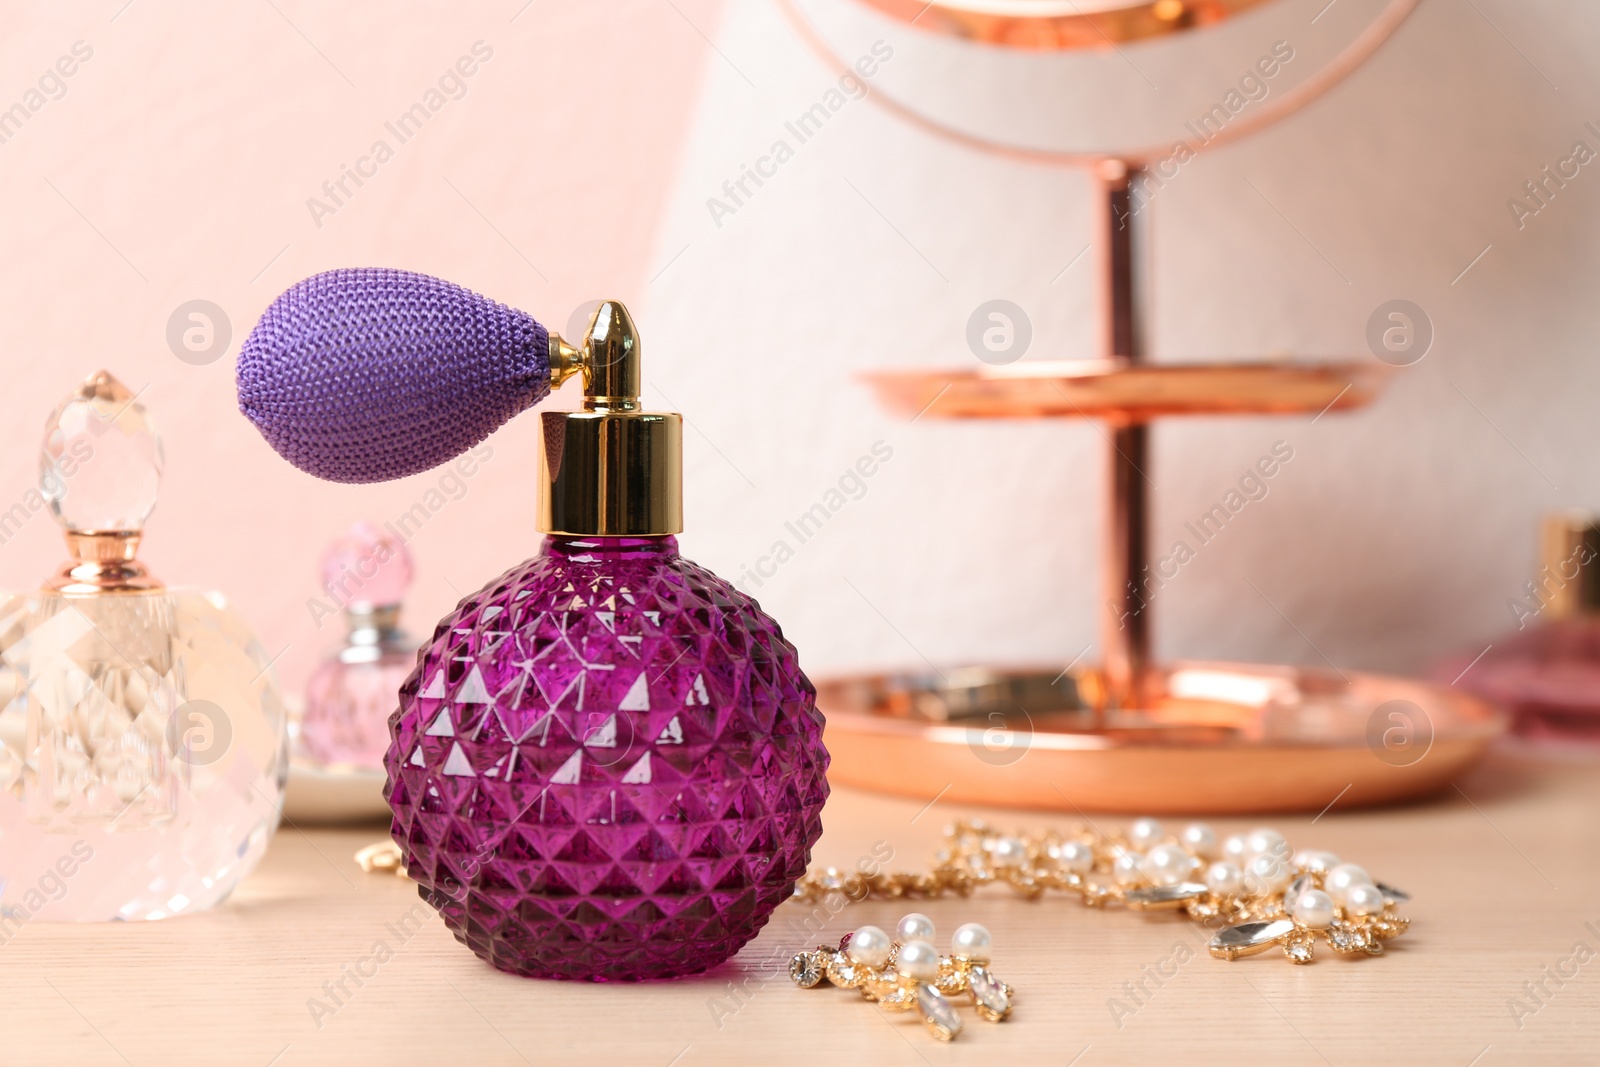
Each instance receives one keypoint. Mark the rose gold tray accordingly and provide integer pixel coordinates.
(1218, 738)
(1128, 392)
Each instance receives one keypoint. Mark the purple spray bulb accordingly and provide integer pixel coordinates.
(368, 374)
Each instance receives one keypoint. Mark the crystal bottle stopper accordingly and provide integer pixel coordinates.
(99, 472)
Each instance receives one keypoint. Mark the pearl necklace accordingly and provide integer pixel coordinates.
(1252, 889)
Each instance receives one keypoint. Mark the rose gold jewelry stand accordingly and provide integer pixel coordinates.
(1131, 735)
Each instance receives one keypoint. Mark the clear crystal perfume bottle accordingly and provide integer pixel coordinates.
(142, 745)
(351, 696)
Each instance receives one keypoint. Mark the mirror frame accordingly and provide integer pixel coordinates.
(1356, 53)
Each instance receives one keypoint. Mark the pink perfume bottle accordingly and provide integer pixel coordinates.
(608, 764)
(1546, 671)
(142, 740)
(352, 694)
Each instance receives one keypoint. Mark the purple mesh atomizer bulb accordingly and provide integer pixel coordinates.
(607, 764)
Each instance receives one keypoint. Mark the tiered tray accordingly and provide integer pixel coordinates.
(1130, 735)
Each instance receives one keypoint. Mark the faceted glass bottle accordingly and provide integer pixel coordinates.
(142, 755)
(352, 694)
(607, 765)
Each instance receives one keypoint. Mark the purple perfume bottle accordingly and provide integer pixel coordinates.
(607, 764)
(352, 694)
(1546, 670)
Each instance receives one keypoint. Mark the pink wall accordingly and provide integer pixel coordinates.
(177, 164)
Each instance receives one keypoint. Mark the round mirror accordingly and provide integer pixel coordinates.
(1082, 80)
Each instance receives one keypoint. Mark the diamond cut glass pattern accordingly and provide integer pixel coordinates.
(144, 729)
(607, 765)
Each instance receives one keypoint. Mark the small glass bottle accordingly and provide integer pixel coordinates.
(1546, 672)
(142, 741)
(352, 694)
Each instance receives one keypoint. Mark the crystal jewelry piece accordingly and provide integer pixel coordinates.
(381, 856)
(1252, 889)
(351, 696)
(142, 736)
(910, 974)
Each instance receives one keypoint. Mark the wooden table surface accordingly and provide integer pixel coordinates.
(1504, 872)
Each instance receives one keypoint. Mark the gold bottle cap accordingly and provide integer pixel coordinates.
(610, 468)
(1569, 580)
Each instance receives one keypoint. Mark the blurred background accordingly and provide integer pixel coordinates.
(195, 151)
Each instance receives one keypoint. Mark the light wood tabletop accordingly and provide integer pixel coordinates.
(1500, 965)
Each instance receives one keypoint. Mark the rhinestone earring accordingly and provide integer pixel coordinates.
(906, 973)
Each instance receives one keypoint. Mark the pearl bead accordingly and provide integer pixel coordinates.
(1315, 860)
(1075, 856)
(918, 960)
(1008, 852)
(1266, 874)
(1128, 869)
(1233, 848)
(1224, 877)
(914, 927)
(1200, 839)
(870, 946)
(1364, 900)
(1264, 841)
(1167, 865)
(1313, 908)
(1342, 879)
(972, 941)
(1144, 833)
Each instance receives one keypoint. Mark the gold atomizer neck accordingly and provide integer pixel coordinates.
(1569, 581)
(610, 469)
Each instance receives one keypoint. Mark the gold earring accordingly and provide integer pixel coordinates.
(906, 973)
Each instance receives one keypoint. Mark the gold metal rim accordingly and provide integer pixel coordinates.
(103, 563)
(1065, 26)
(1358, 52)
